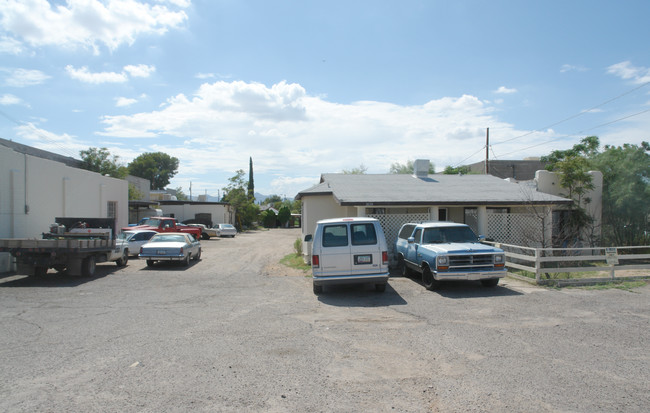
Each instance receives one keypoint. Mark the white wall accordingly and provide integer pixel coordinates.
(220, 213)
(34, 191)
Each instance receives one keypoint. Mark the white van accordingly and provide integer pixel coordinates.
(349, 251)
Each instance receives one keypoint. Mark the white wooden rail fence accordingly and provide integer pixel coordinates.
(541, 261)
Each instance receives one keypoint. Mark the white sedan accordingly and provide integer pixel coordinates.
(171, 246)
(136, 239)
(226, 230)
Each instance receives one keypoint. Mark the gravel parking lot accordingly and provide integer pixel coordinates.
(236, 331)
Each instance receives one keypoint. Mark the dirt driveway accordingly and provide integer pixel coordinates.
(238, 332)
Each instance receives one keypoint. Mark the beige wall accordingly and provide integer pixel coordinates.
(34, 191)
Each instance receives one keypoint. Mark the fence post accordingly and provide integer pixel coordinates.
(537, 265)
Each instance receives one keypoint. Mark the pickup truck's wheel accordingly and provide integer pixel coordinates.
(429, 282)
(318, 289)
(150, 263)
(88, 266)
(205, 236)
(491, 282)
(123, 259)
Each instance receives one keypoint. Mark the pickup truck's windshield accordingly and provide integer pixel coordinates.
(448, 234)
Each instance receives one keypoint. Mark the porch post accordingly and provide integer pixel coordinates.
(482, 218)
(361, 211)
(434, 213)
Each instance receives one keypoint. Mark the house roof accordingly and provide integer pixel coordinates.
(437, 189)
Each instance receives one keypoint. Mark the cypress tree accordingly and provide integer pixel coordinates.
(251, 183)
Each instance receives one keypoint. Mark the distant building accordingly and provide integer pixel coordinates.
(519, 170)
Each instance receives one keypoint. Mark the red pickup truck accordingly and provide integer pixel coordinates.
(166, 224)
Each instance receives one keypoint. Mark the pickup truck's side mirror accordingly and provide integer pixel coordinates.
(308, 238)
(411, 240)
(481, 238)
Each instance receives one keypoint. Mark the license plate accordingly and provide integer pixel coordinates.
(363, 259)
(162, 252)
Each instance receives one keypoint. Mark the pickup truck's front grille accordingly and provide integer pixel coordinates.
(471, 260)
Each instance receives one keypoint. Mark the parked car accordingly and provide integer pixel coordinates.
(206, 232)
(136, 239)
(349, 251)
(441, 251)
(171, 246)
(226, 230)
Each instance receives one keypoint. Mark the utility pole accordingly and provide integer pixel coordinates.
(190, 190)
(487, 151)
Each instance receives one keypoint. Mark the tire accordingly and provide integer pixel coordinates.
(429, 282)
(380, 288)
(318, 289)
(198, 256)
(88, 266)
(150, 263)
(123, 259)
(403, 268)
(40, 271)
(205, 236)
(490, 282)
(186, 261)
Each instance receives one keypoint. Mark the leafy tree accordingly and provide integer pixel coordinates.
(157, 167)
(274, 200)
(236, 193)
(251, 185)
(356, 171)
(284, 215)
(626, 193)
(180, 195)
(101, 161)
(134, 193)
(408, 168)
(269, 218)
(450, 170)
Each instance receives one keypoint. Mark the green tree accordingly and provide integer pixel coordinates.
(450, 170)
(356, 171)
(236, 194)
(180, 195)
(157, 167)
(626, 193)
(284, 215)
(408, 168)
(269, 218)
(251, 184)
(274, 200)
(135, 193)
(101, 161)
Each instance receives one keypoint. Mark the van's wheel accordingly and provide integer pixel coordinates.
(380, 288)
(318, 289)
(88, 266)
(150, 263)
(429, 282)
(491, 282)
(123, 259)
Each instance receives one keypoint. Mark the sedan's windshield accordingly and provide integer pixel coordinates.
(448, 234)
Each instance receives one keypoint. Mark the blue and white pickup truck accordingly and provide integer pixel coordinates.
(440, 251)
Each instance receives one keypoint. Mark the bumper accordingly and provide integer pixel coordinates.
(469, 276)
(351, 279)
(162, 257)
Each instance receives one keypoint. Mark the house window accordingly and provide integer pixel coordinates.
(442, 214)
(111, 209)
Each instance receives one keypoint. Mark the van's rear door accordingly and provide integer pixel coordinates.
(335, 251)
(365, 249)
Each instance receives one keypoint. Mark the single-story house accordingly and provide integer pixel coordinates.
(208, 213)
(501, 210)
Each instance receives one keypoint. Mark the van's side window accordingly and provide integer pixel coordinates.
(335, 236)
(363, 234)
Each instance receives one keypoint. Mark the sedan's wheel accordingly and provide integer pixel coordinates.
(186, 261)
(429, 282)
(491, 282)
(198, 256)
(123, 259)
(149, 263)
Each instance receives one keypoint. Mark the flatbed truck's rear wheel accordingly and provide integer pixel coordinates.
(88, 266)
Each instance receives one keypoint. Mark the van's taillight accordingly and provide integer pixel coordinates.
(314, 261)
(384, 257)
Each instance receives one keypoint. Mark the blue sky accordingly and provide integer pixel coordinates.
(306, 87)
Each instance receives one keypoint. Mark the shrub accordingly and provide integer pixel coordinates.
(297, 246)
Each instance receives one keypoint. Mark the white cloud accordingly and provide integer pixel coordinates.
(625, 70)
(505, 91)
(572, 68)
(87, 23)
(10, 46)
(140, 70)
(86, 76)
(24, 77)
(123, 102)
(8, 99)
